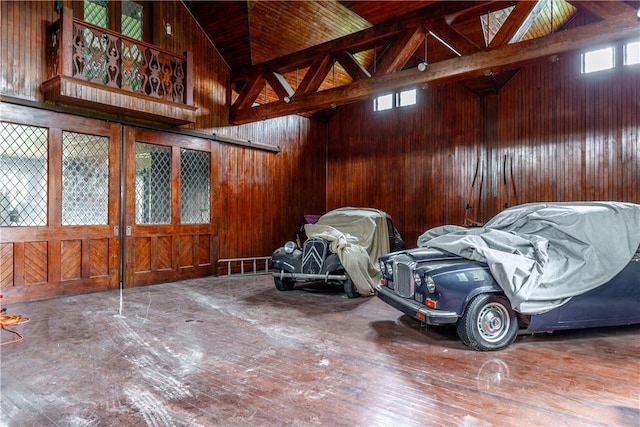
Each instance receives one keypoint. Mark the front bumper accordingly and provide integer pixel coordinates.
(315, 277)
(414, 309)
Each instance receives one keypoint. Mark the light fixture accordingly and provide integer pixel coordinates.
(287, 99)
(424, 65)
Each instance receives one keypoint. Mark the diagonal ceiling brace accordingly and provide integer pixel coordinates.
(502, 58)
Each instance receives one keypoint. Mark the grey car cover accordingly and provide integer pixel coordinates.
(542, 254)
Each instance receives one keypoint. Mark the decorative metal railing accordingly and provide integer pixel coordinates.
(84, 51)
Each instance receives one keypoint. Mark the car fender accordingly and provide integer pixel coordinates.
(485, 289)
(287, 262)
(332, 263)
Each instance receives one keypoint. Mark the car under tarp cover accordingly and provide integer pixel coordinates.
(358, 236)
(542, 254)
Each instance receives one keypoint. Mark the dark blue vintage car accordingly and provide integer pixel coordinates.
(584, 256)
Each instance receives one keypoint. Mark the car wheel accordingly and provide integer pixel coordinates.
(350, 289)
(489, 323)
(283, 284)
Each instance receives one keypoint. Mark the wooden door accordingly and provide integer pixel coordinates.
(168, 229)
(59, 204)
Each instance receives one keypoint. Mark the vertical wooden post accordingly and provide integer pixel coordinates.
(189, 77)
(65, 58)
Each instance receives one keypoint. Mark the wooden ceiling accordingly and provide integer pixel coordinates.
(308, 57)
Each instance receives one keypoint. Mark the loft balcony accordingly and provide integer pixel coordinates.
(98, 69)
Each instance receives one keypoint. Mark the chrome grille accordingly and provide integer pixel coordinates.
(403, 280)
(313, 255)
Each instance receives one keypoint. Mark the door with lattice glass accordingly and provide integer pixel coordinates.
(168, 204)
(59, 205)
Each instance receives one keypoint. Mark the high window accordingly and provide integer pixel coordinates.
(632, 53)
(598, 60)
(388, 101)
(610, 57)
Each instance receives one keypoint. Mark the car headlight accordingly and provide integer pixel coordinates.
(431, 285)
(289, 247)
(417, 279)
(382, 269)
(389, 268)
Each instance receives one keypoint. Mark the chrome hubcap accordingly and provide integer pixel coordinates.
(493, 322)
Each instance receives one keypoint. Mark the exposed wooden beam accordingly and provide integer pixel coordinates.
(502, 58)
(365, 39)
(604, 9)
(250, 92)
(279, 85)
(316, 74)
(352, 66)
(401, 51)
(518, 22)
(459, 43)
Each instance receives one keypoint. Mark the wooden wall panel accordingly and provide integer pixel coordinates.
(185, 256)
(579, 138)
(164, 253)
(551, 134)
(35, 262)
(98, 257)
(22, 53)
(258, 197)
(416, 163)
(263, 196)
(142, 254)
(204, 249)
(70, 259)
(6, 264)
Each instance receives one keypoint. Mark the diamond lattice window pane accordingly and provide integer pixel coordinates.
(23, 175)
(132, 19)
(153, 184)
(85, 179)
(96, 12)
(195, 191)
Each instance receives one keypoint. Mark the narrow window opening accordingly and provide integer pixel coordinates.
(632, 53)
(388, 101)
(598, 60)
(383, 102)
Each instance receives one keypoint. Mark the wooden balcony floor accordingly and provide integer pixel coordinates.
(236, 352)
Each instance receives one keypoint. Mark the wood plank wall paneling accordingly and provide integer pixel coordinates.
(23, 51)
(416, 163)
(567, 137)
(579, 138)
(261, 197)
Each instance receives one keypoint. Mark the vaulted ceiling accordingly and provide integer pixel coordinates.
(308, 57)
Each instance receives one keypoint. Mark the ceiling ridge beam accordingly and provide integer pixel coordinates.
(502, 58)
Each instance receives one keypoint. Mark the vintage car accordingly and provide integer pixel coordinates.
(540, 267)
(342, 249)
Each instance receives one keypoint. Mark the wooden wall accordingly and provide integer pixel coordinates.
(262, 195)
(565, 137)
(416, 163)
